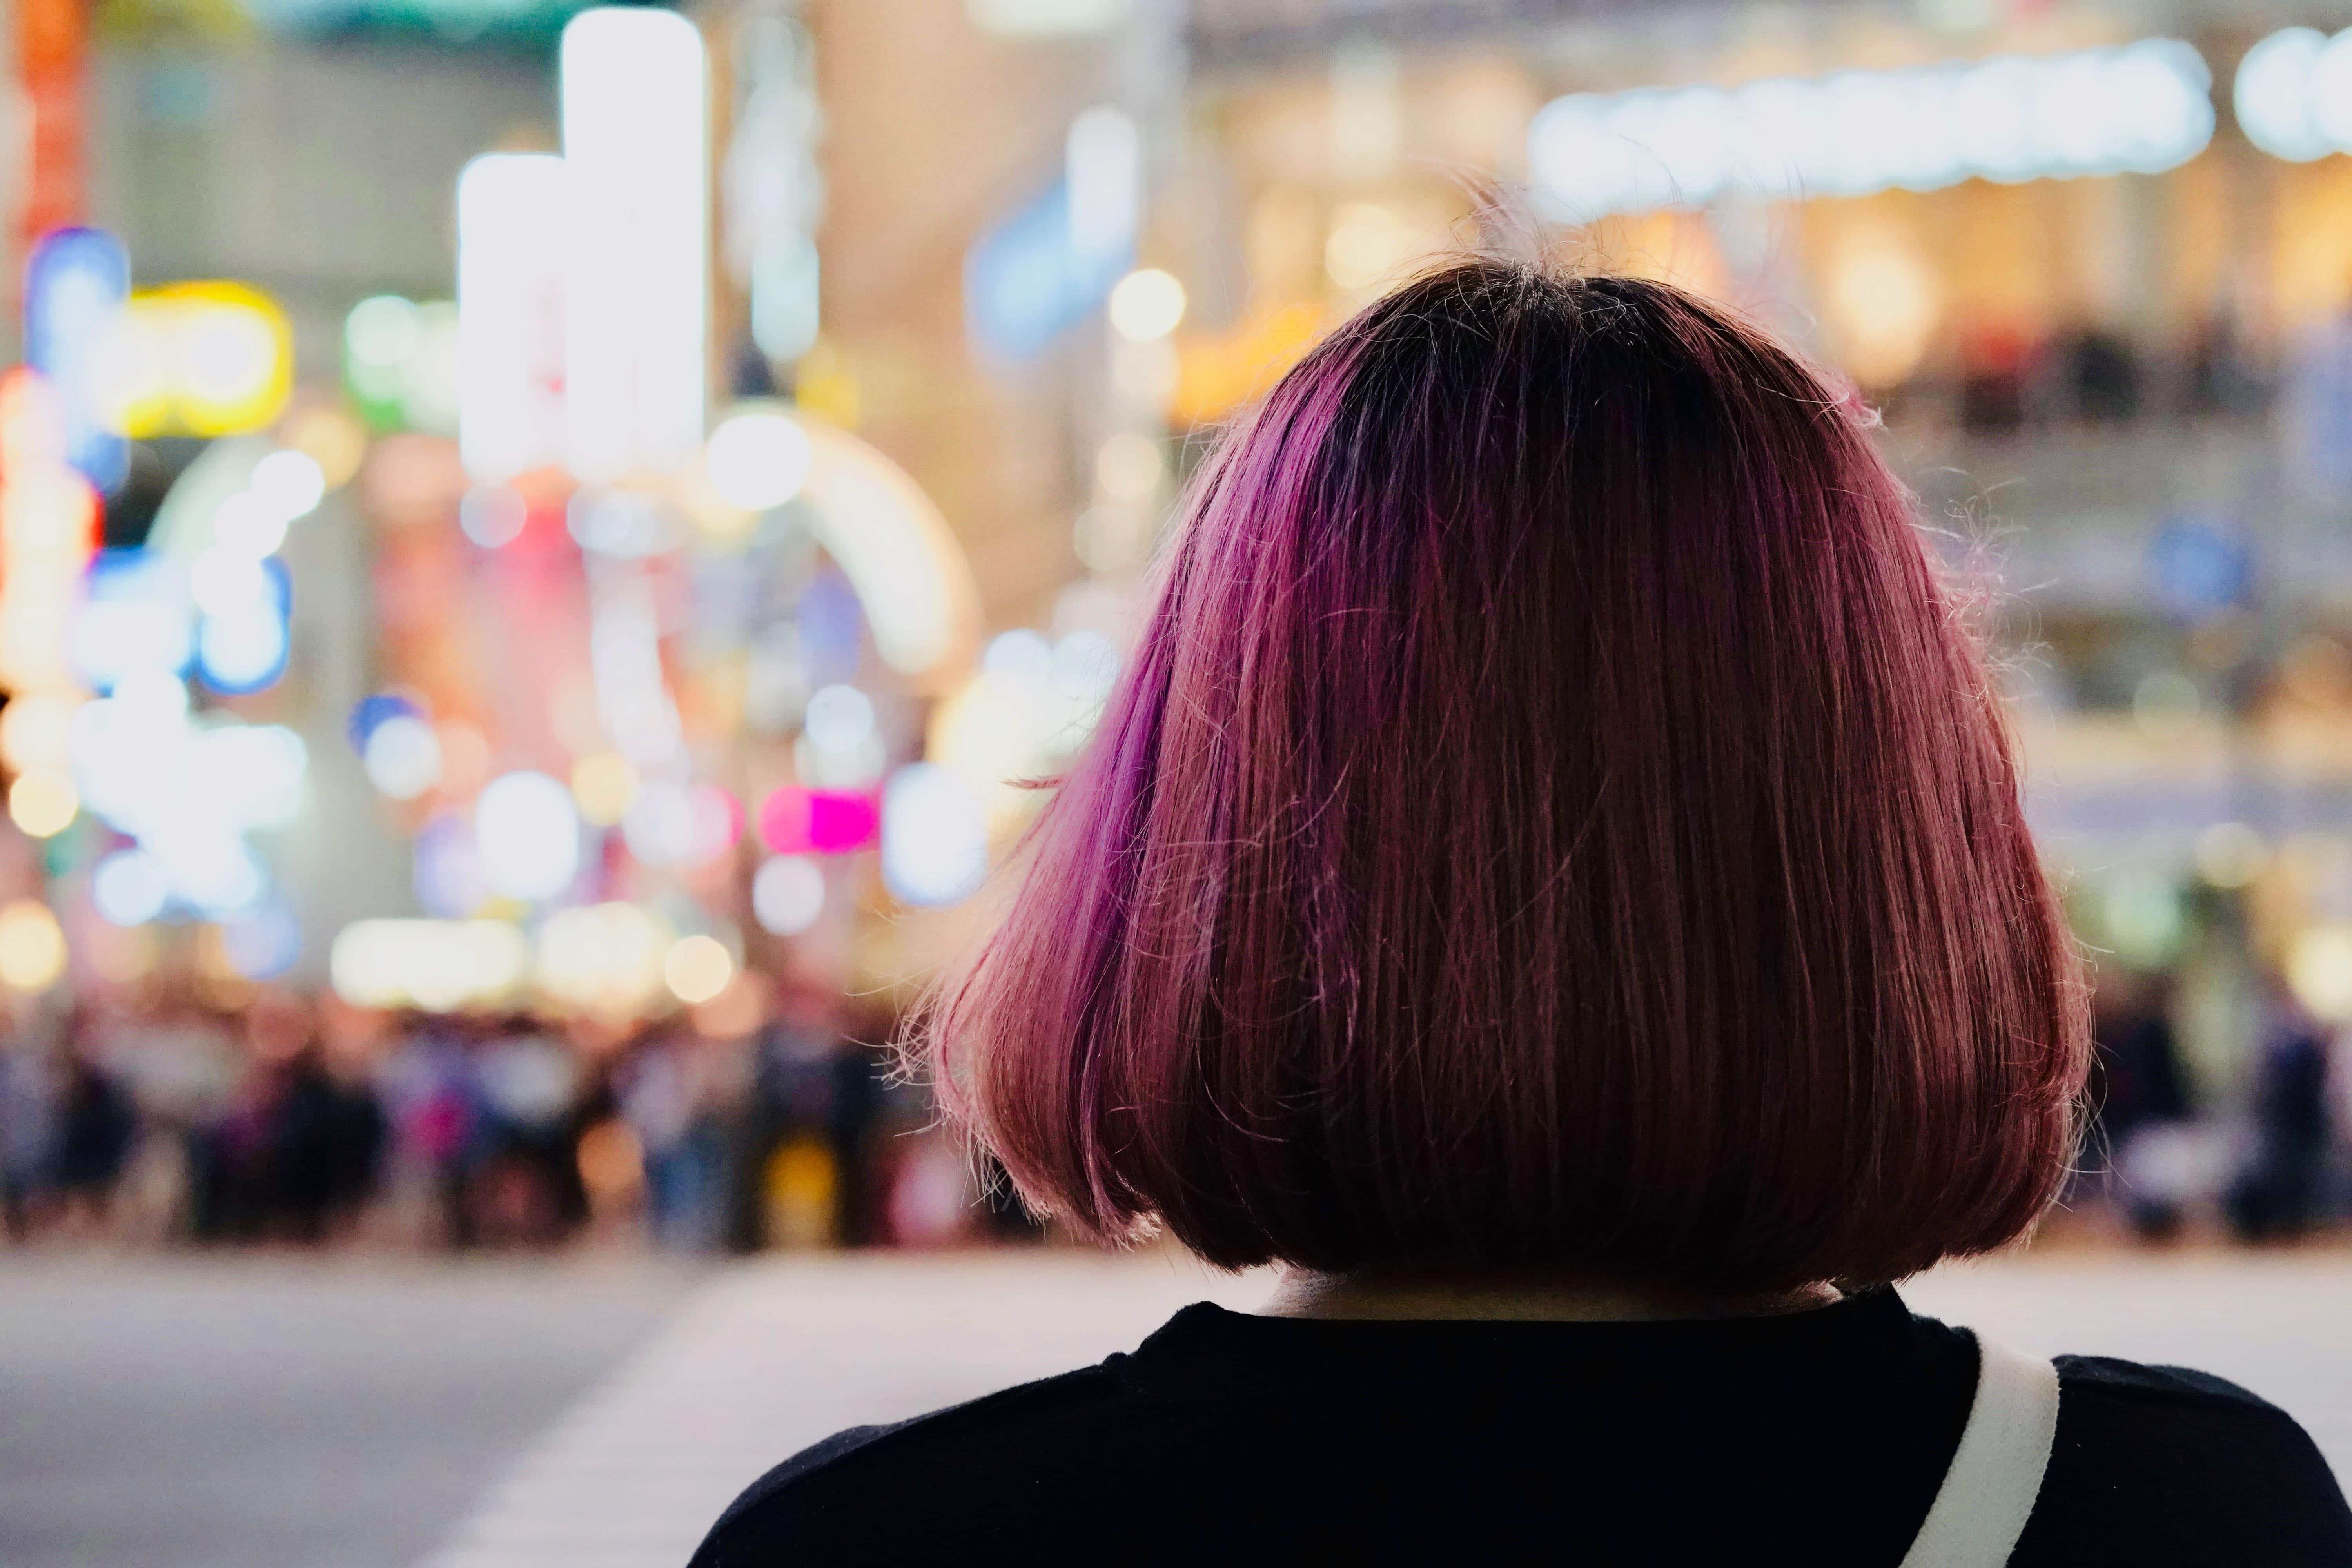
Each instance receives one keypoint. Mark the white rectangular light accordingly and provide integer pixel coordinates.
(635, 94)
(1103, 173)
(1046, 18)
(2139, 107)
(512, 208)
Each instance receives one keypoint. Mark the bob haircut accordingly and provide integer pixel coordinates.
(1556, 819)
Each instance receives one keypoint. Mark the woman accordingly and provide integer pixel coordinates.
(1553, 880)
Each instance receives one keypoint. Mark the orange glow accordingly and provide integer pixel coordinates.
(1214, 375)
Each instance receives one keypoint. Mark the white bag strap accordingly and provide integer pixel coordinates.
(1996, 1472)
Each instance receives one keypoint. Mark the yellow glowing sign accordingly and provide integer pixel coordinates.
(198, 359)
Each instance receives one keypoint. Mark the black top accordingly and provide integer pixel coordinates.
(1817, 1436)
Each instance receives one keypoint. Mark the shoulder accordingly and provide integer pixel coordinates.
(2128, 1399)
(2168, 1465)
(877, 1493)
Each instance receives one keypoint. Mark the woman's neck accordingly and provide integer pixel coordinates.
(1306, 1293)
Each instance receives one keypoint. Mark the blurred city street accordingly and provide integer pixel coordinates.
(544, 544)
(598, 1413)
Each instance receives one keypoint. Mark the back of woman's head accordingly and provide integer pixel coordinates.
(1555, 819)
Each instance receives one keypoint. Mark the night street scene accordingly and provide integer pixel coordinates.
(727, 721)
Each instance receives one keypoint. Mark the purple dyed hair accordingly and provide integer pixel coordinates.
(1555, 819)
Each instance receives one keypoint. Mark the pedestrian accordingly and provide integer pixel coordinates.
(2275, 1194)
(1553, 878)
(27, 1134)
(434, 1117)
(670, 1098)
(97, 1125)
(2138, 1097)
(806, 1173)
(529, 1083)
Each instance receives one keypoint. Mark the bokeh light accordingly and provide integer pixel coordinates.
(527, 833)
(330, 437)
(787, 894)
(671, 824)
(35, 730)
(1147, 305)
(493, 518)
(287, 484)
(607, 959)
(403, 757)
(697, 968)
(839, 718)
(828, 822)
(447, 873)
(604, 785)
(32, 946)
(263, 944)
(130, 887)
(2319, 970)
(442, 965)
(757, 460)
(934, 836)
(42, 801)
(2277, 97)
(1129, 465)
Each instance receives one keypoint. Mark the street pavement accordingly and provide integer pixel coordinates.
(285, 1412)
(597, 1415)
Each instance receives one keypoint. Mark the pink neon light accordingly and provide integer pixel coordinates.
(794, 821)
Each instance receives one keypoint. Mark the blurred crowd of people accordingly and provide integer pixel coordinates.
(297, 1120)
(1999, 379)
(2264, 1158)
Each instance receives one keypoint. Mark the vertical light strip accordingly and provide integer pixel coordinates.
(48, 526)
(638, 272)
(76, 288)
(1104, 169)
(511, 213)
